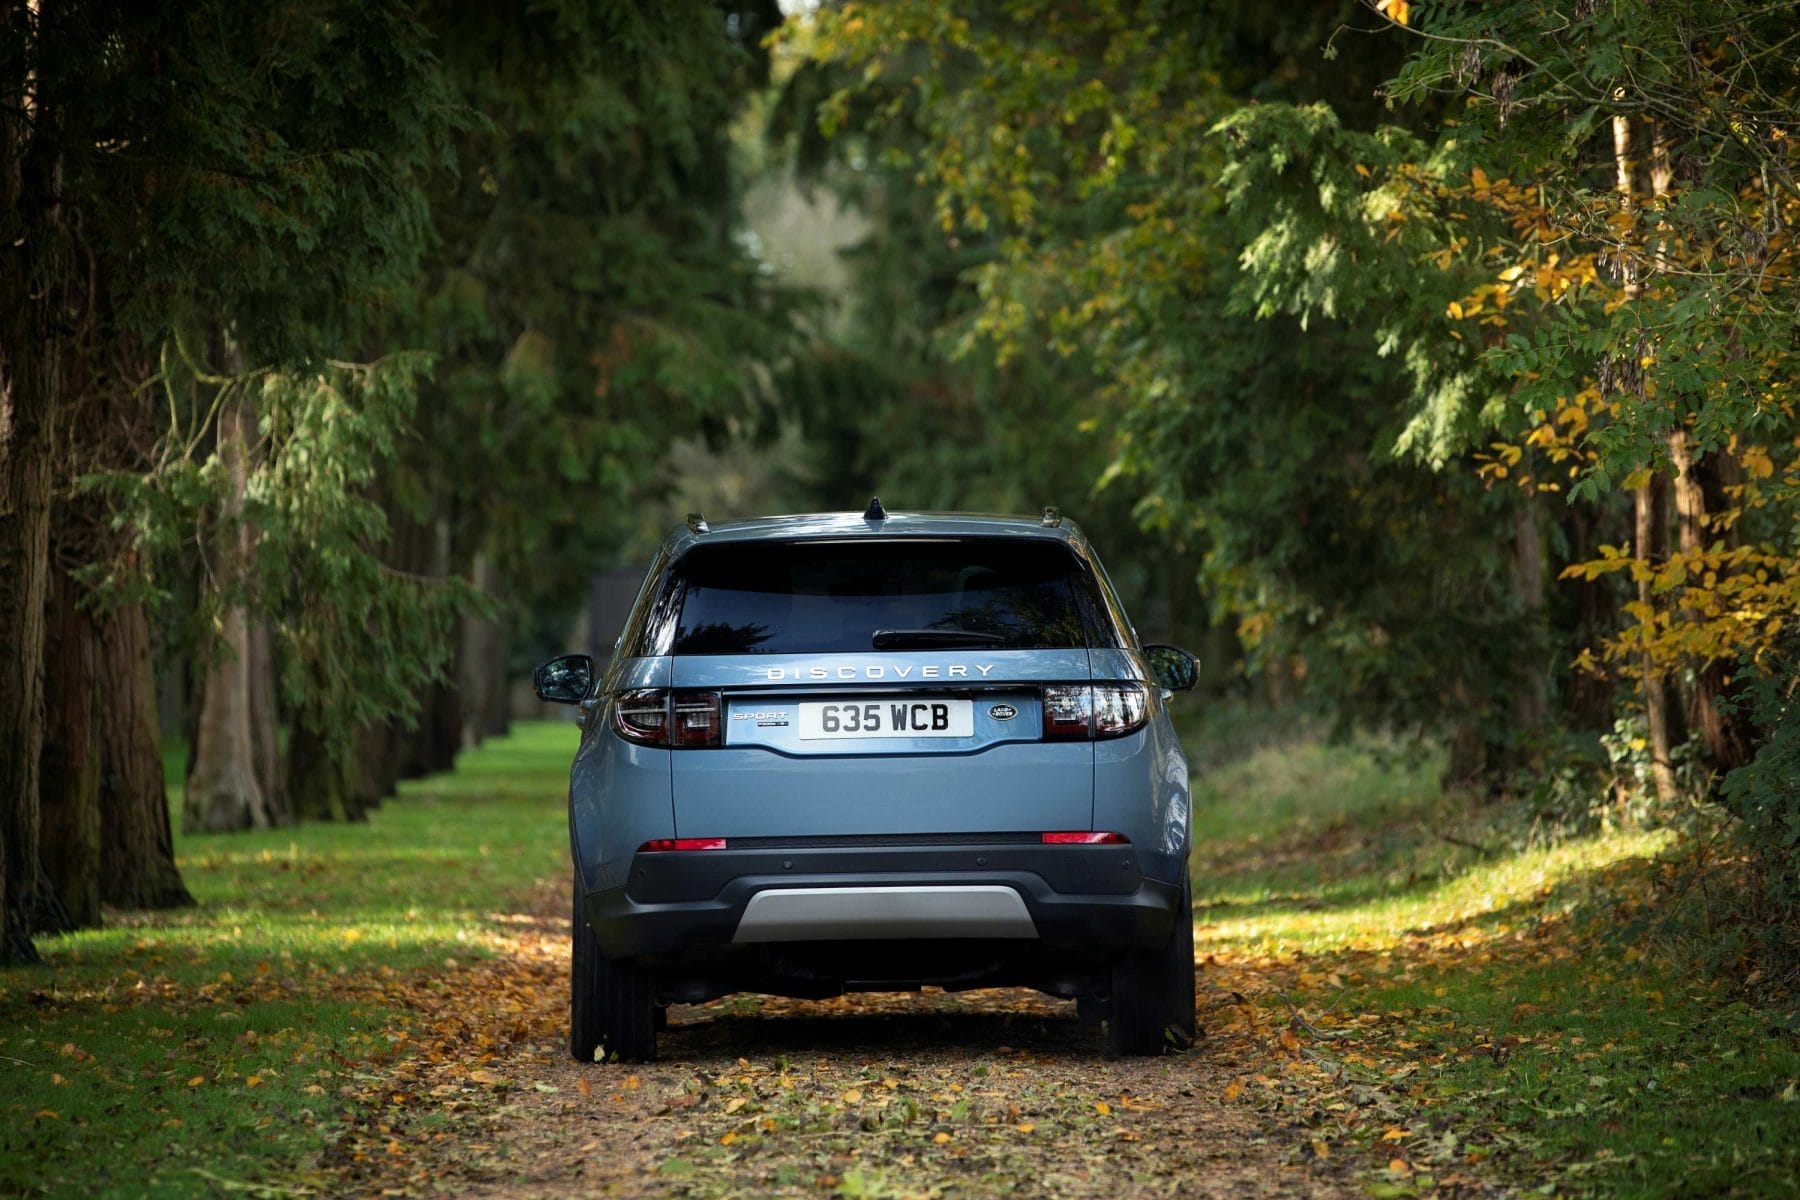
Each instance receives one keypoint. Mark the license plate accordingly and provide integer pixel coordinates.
(887, 719)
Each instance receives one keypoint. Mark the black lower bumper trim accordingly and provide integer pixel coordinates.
(1091, 897)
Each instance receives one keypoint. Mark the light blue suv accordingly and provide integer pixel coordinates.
(869, 753)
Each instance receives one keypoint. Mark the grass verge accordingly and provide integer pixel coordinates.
(1449, 1010)
(171, 1054)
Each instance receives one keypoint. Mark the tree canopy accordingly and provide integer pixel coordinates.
(1456, 336)
(1429, 360)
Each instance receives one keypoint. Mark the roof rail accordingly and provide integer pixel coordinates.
(697, 523)
(875, 512)
(1052, 515)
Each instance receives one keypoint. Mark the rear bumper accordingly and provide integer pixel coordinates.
(1090, 898)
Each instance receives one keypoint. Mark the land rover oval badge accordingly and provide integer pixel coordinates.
(1003, 712)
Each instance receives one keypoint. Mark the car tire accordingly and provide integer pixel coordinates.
(1152, 1008)
(612, 1009)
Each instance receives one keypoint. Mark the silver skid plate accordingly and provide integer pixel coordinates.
(850, 913)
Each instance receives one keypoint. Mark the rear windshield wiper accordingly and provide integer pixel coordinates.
(902, 639)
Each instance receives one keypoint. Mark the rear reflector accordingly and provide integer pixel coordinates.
(659, 845)
(1086, 837)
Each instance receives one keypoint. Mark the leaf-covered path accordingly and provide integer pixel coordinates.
(988, 1093)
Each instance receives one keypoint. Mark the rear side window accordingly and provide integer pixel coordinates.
(822, 597)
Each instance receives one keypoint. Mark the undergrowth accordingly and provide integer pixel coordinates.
(1464, 994)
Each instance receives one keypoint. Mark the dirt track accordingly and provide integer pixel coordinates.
(984, 1093)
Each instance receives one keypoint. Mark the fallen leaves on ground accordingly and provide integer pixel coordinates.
(921, 1094)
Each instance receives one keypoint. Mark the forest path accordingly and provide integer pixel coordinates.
(981, 1093)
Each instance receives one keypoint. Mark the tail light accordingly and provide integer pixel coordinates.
(1102, 710)
(1119, 708)
(1068, 712)
(659, 717)
(696, 718)
(1086, 837)
(642, 716)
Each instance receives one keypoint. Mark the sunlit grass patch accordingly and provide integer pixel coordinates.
(1482, 900)
(1451, 1006)
(1288, 819)
(177, 1053)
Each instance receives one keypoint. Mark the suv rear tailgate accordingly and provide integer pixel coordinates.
(984, 769)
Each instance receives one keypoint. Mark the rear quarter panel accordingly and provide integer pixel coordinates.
(619, 792)
(1141, 781)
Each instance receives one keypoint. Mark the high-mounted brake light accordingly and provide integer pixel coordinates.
(1074, 712)
(657, 717)
(662, 845)
(1086, 837)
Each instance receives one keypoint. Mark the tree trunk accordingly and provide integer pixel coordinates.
(222, 792)
(265, 723)
(1468, 755)
(69, 767)
(137, 857)
(24, 548)
(1531, 701)
(1588, 699)
(1651, 509)
(495, 716)
(1650, 501)
(481, 665)
(1728, 744)
(377, 776)
(431, 744)
(33, 332)
(320, 787)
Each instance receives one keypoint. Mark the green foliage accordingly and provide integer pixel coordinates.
(244, 183)
(1334, 225)
(1764, 796)
(541, 203)
(901, 395)
(1703, 344)
(1078, 175)
(359, 641)
(585, 300)
(255, 165)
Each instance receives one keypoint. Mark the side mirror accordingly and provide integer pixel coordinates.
(565, 679)
(1174, 669)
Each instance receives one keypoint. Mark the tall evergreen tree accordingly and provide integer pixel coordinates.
(586, 300)
(173, 169)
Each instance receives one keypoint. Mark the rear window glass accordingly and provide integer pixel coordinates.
(816, 597)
